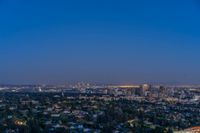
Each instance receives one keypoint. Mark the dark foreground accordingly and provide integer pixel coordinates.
(60, 113)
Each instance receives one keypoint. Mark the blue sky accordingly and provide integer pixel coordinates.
(106, 41)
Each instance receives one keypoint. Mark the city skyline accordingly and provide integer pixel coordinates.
(55, 42)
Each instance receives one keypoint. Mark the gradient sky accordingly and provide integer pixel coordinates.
(106, 41)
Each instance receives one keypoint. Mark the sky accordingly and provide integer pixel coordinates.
(101, 41)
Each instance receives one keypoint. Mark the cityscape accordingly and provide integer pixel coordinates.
(99, 66)
(88, 108)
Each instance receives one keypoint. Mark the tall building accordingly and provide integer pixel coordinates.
(146, 87)
(143, 90)
(40, 89)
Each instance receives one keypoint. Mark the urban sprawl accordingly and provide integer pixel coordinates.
(85, 108)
